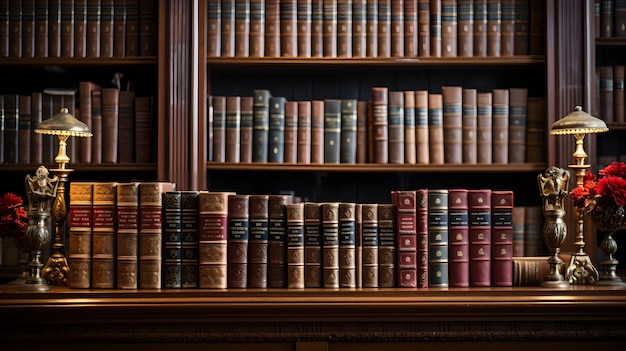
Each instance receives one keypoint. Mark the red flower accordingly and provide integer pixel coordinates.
(606, 191)
(13, 219)
(617, 169)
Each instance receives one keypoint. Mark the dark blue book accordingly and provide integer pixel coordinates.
(347, 147)
(260, 124)
(190, 246)
(276, 132)
(332, 130)
(438, 238)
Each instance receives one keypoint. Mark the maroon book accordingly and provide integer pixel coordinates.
(421, 224)
(458, 240)
(502, 238)
(257, 242)
(277, 241)
(480, 237)
(404, 200)
(237, 242)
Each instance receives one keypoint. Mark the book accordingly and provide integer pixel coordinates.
(126, 126)
(358, 244)
(68, 35)
(452, 98)
(507, 27)
(143, 129)
(469, 126)
(449, 27)
(28, 28)
(288, 28)
(54, 28)
(214, 28)
(257, 28)
(465, 29)
(406, 223)
(330, 244)
(435, 28)
(237, 241)
(80, 219)
(127, 235)
(500, 126)
(303, 149)
(228, 28)
(619, 18)
(96, 126)
(387, 244)
(371, 28)
(518, 104)
(107, 11)
(480, 236)
(535, 129)
(242, 28)
(85, 107)
(148, 36)
(103, 241)
(435, 129)
(304, 12)
(189, 204)
(272, 28)
(484, 121)
(421, 229)
(438, 228)
(397, 35)
(94, 20)
(290, 143)
(245, 135)
(317, 131)
(260, 125)
(605, 74)
(494, 27)
(317, 28)
(119, 28)
(359, 28)
(172, 239)
(11, 124)
(606, 18)
(518, 230)
(348, 131)
(383, 41)
(522, 30)
(409, 127)
(257, 242)
(396, 127)
(295, 245)
(532, 270)
(370, 243)
(421, 127)
(5, 28)
(110, 124)
(24, 130)
(618, 92)
(380, 124)
(480, 28)
(347, 245)
(312, 245)
(361, 131)
(502, 237)
(132, 28)
(36, 139)
(276, 131)
(410, 28)
(41, 29)
(344, 28)
(329, 28)
(277, 241)
(458, 260)
(332, 130)
(533, 238)
(232, 131)
(212, 239)
(219, 128)
(423, 31)
(150, 232)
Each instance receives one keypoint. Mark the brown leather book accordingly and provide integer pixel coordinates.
(150, 232)
(502, 237)
(219, 128)
(397, 29)
(304, 12)
(132, 28)
(348, 132)
(484, 120)
(507, 28)
(500, 126)
(435, 129)
(5, 29)
(465, 29)
(494, 27)
(480, 28)
(233, 129)
(257, 242)
(126, 127)
(103, 244)
(406, 221)
(80, 28)
(143, 129)
(438, 238)
(189, 218)
(214, 28)
(329, 28)
(28, 28)
(291, 132)
(517, 124)
(410, 28)
(380, 104)
(303, 148)
(93, 28)
(330, 244)
(480, 236)
(421, 223)
(344, 28)
(533, 238)
(522, 29)
(312, 245)
(277, 241)
(358, 244)
(619, 17)
(317, 28)
(36, 140)
(41, 30)
(295, 245)
(127, 237)
(246, 111)
(421, 127)
(371, 28)
(423, 31)
(449, 27)
(110, 124)
(85, 106)
(24, 130)
(596, 17)
(605, 74)
(409, 127)
(54, 28)
(172, 243)
(359, 28)
(384, 28)
(228, 28)
(212, 239)
(606, 18)
(452, 97)
(96, 126)
(347, 245)
(361, 131)
(317, 131)
(535, 130)
(15, 28)
(237, 241)
(435, 28)
(369, 233)
(148, 34)
(288, 28)
(458, 238)
(618, 93)
(272, 28)
(80, 219)
(470, 121)
(396, 126)
(257, 28)
(387, 268)
(107, 11)
(119, 28)
(518, 230)
(242, 28)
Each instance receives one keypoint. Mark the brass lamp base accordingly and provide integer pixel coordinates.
(581, 270)
(56, 270)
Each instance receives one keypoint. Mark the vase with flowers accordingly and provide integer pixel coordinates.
(13, 223)
(603, 197)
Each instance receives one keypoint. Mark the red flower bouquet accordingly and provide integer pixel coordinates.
(13, 219)
(606, 191)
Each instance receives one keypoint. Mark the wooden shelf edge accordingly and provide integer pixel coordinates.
(105, 167)
(78, 61)
(614, 41)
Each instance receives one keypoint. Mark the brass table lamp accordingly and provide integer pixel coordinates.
(579, 123)
(63, 125)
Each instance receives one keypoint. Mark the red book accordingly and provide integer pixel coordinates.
(406, 221)
(237, 241)
(361, 132)
(277, 241)
(212, 239)
(288, 29)
(103, 244)
(110, 124)
(421, 229)
(502, 238)
(480, 237)
(458, 254)
(380, 124)
(291, 132)
(317, 131)
(257, 242)
(303, 148)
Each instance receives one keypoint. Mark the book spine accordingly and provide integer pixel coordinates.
(94, 20)
(410, 156)
(28, 28)
(291, 132)
(312, 245)
(502, 238)
(329, 29)
(24, 130)
(406, 219)
(304, 11)
(535, 129)
(104, 227)
(41, 29)
(212, 239)
(423, 31)
(606, 18)
(449, 28)
(619, 10)
(295, 246)
(494, 28)
(522, 30)
(276, 131)
(410, 28)
(421, 224)
(452, 98)
(54, 28)
(438, 227)
(458, 265)
(260, 125)
(317, 131)
(396, 127)
(317, 28)
(132, 28)
(126, 127)
(435, 28)
(80, 217)
(233, 129)
(435, 129)
(84, 103)
(421, 127)
(36, 140)
(596, 16)
(361, 132)
(465, 18)
(237, 241)
(219, 128)
(358, 244)
(359, 28)
(500, 126)
(484, 120)
(172, 240)
(228, 28)
(96, 126)
(383, 41)
(189, 203)
(245, 136)
(330, 244)
(332, 130)
(214, 28)
(533, 224)
(618, 93)
(517, 217)
(5, 28)
(11, 124)
(344, 28)
(257, 28)
(68, 36)
(242, 28)
(47, 140)
(480, 237)
(15, 28)
(110, 124)
(288, 28)
(369, 219)
(143, 129)
(605, 74)
(348, 131)
(397, 35)
(272, 28)
(371, 28)
(347, 245)
(380, 123)
(507, 28)
(106, 28)
(387, 244)
(517, 125)
(470, 125)
(537, 27)
(304, 132)
(257, 243)
(148, 38)
(277, 241)
(119, 28)
(480, 28)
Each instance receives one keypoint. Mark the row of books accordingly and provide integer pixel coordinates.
(611, 90)
(147, 235)
(610, 18)
(121, 124)
(378, 28)
(78, 28)
(457, 126)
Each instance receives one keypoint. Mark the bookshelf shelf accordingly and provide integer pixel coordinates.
(87, 61)
(121, 167)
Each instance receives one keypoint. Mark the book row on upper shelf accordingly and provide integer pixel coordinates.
(383, 28)
(121, 124)
(458, 126)
(146, 235)
(611, 90)
(610, 18)
(78, 28)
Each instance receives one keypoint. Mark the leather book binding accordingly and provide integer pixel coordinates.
(484, 122)
(344, 28)
(396, 126)
(277, 241)
(313, 245)
(80, 217)
(449, 27)
(330, 244)
(110, 124)
(380, 124)
(369, 234)
(480, 28)
(438, 228)
(219, 128)
(423, 28)
(242, 28)
(304, 12)
(348, 131)
(347, 245)
(245, 143)
(500, 126)
(469, 120)
(421, 228)
(359, 28)
(452, 124)
(458, 260)
(291, 132)
(260, 125)
(517, 124)
(303, 147)
(257, 28)
(435, 129)
(214, 28)
(397, 35)
(212, 239)
(384, 28)
(332, 130)
(172, 239)
(406, 221)
(228, 28)
(272, 28)
(507, 28)
(295, 245)
(465, 21)
(276, 131)
(237, 241)
(233, 129)
(103, 243)
(257, 242)
(387, 244)
(494, 27)
(480, 237)
(502, 237)
(288, 28)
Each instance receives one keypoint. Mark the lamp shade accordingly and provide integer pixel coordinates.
(63, 123)
(578, 122)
